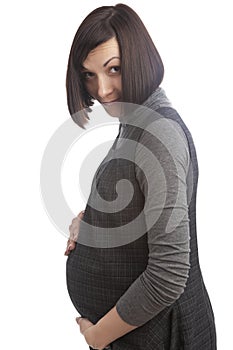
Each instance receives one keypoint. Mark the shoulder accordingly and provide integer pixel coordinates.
(164, 135)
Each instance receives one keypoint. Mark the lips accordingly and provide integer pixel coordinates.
(109, 102)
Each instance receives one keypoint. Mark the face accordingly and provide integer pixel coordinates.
(102, 76)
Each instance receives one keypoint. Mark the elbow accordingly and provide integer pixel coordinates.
(178, 291)
(167, 286)
(175, 286)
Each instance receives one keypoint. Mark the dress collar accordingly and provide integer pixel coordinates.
(136, 112)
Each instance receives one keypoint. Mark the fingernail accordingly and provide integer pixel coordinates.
(77, 319)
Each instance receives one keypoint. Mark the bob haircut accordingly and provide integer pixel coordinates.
(142, 69)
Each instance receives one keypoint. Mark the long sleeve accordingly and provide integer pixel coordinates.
(161, 166)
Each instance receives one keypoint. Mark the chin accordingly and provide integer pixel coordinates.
(114, 109)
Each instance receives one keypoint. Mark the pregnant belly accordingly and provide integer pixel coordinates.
(97, 277)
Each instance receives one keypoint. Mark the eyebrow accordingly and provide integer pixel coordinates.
(105, 64)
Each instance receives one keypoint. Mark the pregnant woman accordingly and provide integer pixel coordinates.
(133, 271)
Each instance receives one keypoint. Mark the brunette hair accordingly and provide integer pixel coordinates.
(142, 69)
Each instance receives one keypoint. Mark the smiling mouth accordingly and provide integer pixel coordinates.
(110, 102)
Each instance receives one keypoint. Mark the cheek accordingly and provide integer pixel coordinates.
(119, 84)
(91, 89)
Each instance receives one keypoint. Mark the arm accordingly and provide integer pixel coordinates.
(161, 174)
(107, 329)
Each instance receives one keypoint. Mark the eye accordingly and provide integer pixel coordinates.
(115, 69)
(87, 75)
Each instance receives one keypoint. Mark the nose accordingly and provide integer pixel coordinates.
(105, 87)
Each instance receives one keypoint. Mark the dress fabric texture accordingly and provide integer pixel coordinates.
(97, 277)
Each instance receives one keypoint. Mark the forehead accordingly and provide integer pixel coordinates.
(103, 52)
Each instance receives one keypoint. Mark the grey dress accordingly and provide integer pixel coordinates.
(151, 272)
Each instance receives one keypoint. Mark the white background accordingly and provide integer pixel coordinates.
(194, 39)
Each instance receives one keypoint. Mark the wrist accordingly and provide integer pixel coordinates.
(93, 337)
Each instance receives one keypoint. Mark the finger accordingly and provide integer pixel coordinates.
(67, 252)
(78, 319)
(80, 215)
(70, 242)
(70, 246)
